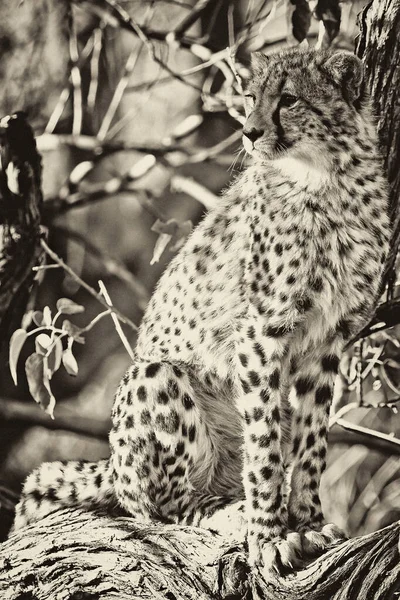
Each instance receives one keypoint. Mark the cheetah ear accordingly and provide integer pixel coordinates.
(347, 71)
(259, 63)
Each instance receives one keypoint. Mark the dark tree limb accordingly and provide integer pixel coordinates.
(91, 555)
(386, 315)
(20, 206)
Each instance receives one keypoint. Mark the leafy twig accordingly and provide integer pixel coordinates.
(76, 81)
(87, 287)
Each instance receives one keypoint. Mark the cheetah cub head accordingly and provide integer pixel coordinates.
(304, 107)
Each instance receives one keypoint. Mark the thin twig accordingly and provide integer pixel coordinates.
(46, 267)
(86, 286)
(118, 327)
(392, 439)
(94, 68)
(58, 110)
(119, 92)
(94, 321)
(341, 412)
(231, 50)
(212, 151)
(91, 143)
(66, 92)
(188, 20)
(94, 192)
(195, 190)
(76, 81)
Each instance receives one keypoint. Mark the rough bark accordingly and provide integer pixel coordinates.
(20, 204)
(379, 48)
(74, 554)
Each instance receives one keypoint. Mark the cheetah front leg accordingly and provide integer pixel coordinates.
(310, 398)
(263, 362)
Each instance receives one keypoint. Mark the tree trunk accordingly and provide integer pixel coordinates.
(75, 554)
(379, 48)
(20, 204)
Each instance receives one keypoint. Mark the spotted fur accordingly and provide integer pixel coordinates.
(237, 353)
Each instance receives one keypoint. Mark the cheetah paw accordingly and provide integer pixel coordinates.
(316, 542)
(281, 556)
(292, 552)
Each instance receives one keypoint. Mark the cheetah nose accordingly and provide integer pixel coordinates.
(253, 133)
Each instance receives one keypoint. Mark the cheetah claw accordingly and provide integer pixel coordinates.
(316, 543)
(292, 552)
(282, 556)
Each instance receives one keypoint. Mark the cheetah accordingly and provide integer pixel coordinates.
(229, 395)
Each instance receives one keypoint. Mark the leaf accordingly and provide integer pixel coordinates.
(330, 13)
(12, 173)
(37, 318)
(80, 171)
(301, 19)
(39, 385)
(187, 126)
(17, 341)
(69, 362)
(160, 245)
(27, 319)
(54, 358)
(142, 166)
(167, 231)
(47, 316)
(69, 307)
(42, 343)
(73, 331)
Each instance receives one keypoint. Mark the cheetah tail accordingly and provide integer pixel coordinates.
(62, 484)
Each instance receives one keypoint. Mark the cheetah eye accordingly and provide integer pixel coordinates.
(250, 99)
(288, 100)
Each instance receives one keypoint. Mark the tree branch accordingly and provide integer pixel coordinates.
(90, 554)
(68, 418)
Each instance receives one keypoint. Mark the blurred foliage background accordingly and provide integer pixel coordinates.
(137, 109)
